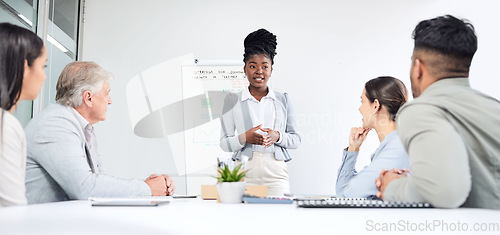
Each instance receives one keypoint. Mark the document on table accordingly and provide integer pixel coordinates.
(129, 199)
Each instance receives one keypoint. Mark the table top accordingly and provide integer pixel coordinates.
(196, 216)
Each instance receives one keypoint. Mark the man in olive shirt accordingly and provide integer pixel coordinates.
(451, 132)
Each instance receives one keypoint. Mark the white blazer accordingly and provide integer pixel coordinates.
(236, 119)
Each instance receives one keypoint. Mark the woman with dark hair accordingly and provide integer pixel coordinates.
(258, 125)
(381, 99)
(22, 61)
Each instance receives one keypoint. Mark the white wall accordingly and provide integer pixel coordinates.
(327, 50)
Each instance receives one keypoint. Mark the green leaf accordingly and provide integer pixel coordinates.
(227, 175)
(234, 174)
(237, 168)
(240, 176)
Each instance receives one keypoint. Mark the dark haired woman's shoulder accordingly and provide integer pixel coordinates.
(12, 129)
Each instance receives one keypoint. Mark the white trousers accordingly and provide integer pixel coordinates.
(264, 169)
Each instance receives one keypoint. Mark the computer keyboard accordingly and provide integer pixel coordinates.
(358, 203)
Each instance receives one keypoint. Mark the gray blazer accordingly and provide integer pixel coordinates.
(236, 120)
(59, 166)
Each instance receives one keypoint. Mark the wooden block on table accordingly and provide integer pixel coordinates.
(256, 190)
(209, 192)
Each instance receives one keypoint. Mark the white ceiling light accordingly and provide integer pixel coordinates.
(56, 43)
(25, 19)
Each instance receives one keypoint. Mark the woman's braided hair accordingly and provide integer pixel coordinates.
(260, 42)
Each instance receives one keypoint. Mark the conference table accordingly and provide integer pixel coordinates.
(197, 216)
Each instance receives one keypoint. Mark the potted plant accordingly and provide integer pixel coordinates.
(229, 185)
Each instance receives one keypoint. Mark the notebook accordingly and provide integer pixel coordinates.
(138, 199)
(266, 200)
(358, 203)
(130, 201)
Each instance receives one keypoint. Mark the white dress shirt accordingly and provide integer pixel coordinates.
(263, 112)
(88, 130)
(236, 120)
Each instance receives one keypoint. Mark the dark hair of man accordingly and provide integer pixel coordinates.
(260, 42)
(389, 91)
(17, 46)
(453, 39)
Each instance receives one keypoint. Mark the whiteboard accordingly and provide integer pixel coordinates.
(204, 89)
(182, 102)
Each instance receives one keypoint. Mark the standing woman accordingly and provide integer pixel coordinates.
(22, 61)
(380, 101)
(258, 123)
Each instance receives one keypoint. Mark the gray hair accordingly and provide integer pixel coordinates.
(78, 77)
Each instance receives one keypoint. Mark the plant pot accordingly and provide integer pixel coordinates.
(231, 192)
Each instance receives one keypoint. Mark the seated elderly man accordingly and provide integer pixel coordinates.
(63, 161)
